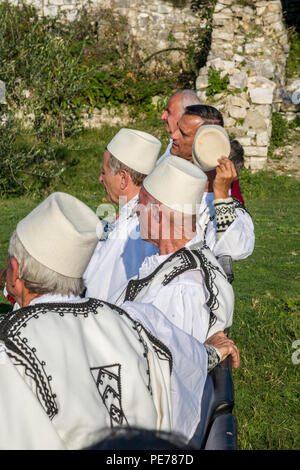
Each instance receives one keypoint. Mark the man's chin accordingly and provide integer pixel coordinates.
(174, 150)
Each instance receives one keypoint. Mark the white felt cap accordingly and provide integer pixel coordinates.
(177, 183)
(210, 143)
(136, 149)
(60, 233)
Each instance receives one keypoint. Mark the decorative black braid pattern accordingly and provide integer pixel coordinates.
(23, 355)
(239, 205)
(225, 214)
(187, 262)
(209, 270)
(108, 382)
(135, 286)
(236, 204)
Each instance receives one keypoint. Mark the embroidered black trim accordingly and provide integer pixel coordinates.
(108, 383)
(136, 285)
(22, 354)
(186, 262)
(236, 204)
(209, 269)
(239, 205)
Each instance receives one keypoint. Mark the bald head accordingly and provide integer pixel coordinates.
(176, 107)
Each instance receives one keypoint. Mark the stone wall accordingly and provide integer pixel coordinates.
(156, 24)
(249, 44)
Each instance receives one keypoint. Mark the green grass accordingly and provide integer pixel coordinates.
(266, 286)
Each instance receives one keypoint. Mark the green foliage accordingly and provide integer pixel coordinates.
(293, 63)
(56, 70)
(41, 64)
(216, 84)
(177, 3)
(245, 3)
(295, 123)
(199, 46)
(279, 135)
(26, 166)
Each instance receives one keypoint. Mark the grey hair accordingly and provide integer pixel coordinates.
(115, 166)
(188, 98)
(38, 278)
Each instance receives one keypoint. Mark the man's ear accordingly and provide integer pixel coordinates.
(124, 179)
(15, 269)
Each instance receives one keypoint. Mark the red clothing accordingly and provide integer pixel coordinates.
(236, 191)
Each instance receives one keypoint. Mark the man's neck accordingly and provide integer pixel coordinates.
(129, 195)
(167, 247)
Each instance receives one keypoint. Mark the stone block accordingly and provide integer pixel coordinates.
(255, 163)
(252, 48)
(254, 120)
(238, 58)
(237, 112)
(201, 83)
(219, 64)
(227, 2)
(50, 11)
(260, 82)
(245, 141)
(216, 34)
(262, 139)
(260, 11)
(256, 151)
(237, 101)
(238, 80)
(265, 68)
(57, 2)
(229, 122)
(261, 95)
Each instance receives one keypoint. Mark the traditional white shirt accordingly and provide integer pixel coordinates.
(118, 258)
(238, 239)
(184, 300)
(71, 367)
(189, 366)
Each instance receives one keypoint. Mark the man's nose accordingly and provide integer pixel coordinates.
(101, 178)
(175, 134)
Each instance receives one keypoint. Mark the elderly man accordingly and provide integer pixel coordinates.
(184, 280)
(236, 235)
(174, 111)
(128, 158)
(71, 367)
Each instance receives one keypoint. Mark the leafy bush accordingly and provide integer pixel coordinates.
(55, 71)
(25, 166)
(293, 63)
(216, 84)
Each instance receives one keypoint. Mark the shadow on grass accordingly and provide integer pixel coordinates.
(5, 308)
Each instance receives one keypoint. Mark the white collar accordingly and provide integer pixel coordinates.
(127, 210)
(56, 298)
